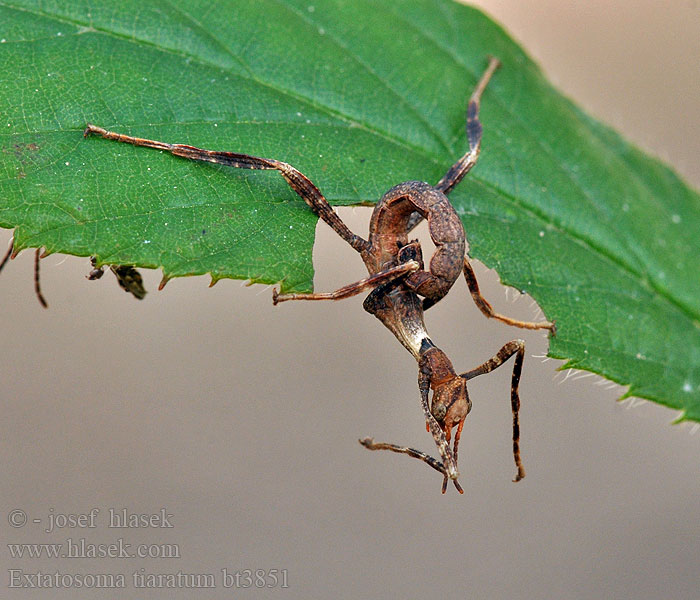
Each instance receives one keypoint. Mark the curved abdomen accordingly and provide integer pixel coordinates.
(389, 226)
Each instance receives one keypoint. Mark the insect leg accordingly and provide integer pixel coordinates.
(433, 426)
(301, 184)
(370, 444)
(457, 171)
(355, 288)
(37, 286)
(485, 307)
(516, 347)
(7, 255)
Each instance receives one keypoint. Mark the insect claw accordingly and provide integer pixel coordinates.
(275, 301)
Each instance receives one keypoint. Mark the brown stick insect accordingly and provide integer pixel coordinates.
(401, 288)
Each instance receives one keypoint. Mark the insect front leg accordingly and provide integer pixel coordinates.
(436, 431)
(448, 466)
(370, 444)
(516, 347)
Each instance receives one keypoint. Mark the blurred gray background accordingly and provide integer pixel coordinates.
(241, 419)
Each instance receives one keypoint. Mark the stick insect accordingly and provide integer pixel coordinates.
(401, 288)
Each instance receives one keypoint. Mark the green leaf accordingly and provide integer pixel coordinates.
(359, 96)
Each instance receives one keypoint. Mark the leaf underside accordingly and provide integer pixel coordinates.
(359, 96)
